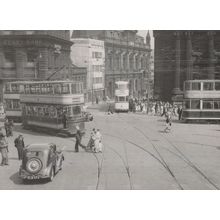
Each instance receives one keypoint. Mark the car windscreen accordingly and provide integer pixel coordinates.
(34, 154)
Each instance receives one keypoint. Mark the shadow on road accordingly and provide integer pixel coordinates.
(19, 128)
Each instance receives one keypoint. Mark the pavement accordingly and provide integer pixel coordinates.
(137, 155)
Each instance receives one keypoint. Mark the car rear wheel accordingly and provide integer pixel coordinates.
(51, 175)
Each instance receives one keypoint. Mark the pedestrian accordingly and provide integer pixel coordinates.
(98, 142)
(168, 121)
(4, 149)
(19, 144)
(10, 128)
(6, 124)
(78, 139)
(91, 142)
(180, 111)
(64, 119)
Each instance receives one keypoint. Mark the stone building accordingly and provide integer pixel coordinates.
(90, 53)
(183, 55)
(127, 57)
(33, 54)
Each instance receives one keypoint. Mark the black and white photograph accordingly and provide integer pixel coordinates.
(109, 110)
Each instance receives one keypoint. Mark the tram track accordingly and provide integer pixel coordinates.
(161, 160)
(99, 168)
(183, 157)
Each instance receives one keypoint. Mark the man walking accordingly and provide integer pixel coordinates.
(19, 144)
(78, 139)
(4, 150)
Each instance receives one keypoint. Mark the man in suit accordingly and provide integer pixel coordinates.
(19, 144)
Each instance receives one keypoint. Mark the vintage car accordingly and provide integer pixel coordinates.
(41, 161)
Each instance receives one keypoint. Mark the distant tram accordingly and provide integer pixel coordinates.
(44, 105)
(11, 96)
(121, 96)
(201, 100)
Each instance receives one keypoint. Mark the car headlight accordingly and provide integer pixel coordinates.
(33, 165)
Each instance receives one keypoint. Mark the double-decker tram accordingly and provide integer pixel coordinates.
(201, 100)
(11, 97)
(47, 104)
(121, 96)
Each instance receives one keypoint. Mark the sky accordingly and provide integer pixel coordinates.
(143, 33)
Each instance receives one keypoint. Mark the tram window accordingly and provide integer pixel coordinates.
(207, 86)
(74, 91)
(21, 88)
(65, 89)
(217, 85)
(37, 89)
(216, 104)
(195, 104)
(196, 86)
(44, 89)
(121, 98)
(52, 112)
(27, 89)
(7, 88)
(8, 104)
(40, 111)
(16, 104)
(57, 89)
(207, 104)
(187, 104)
(32, 89)
(76, 110)
(14, 88)
(126, 98)
(187, 85)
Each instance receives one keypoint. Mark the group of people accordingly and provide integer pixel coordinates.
(94, 144)
(4, 146)
(154, 107)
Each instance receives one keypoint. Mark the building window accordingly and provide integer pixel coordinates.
(187, 85)
(97, 68)
(9, 54)
(32, 55)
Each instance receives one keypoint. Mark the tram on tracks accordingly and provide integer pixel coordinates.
(201, 100)
(11, 97)
(121, 96)
(45, 103)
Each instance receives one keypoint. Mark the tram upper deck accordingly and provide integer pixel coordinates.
(194, 89)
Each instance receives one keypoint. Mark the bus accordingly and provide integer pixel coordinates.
(11, 97)
(44, 104)
(201, 100)
(121, 96)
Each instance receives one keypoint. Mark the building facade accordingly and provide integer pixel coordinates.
(127, 57)
(90, 53)
(33, 54)
(184, 55)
